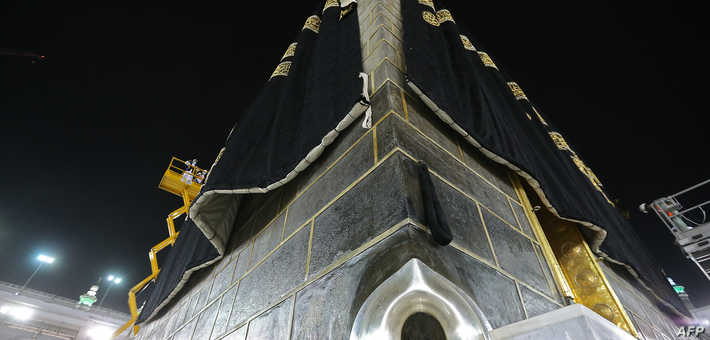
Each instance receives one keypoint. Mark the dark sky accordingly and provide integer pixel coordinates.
(89, 132)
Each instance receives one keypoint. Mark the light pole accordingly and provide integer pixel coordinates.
(113, 280)
(42, 260)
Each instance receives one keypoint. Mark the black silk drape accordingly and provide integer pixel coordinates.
(313, 94)
(467, 90)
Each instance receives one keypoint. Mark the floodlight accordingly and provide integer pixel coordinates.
(117, 280)
(99, 333)
(110, 277)
(17, 312)
(45, 258)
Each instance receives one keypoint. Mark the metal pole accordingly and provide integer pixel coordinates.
(105, 295)
(29, 279)
(691, 188)
(693, 207)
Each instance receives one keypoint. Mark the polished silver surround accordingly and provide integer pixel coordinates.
(417, 288)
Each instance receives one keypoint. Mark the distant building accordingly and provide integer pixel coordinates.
(41, 316)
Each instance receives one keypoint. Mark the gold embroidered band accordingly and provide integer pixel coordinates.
(559, 141)
(430, 18)
(486, 59)
(517, 91)
(467, 43)
(429, 3)
(290, 51)
(444, 15)
(281, 70)
(330, 3)
(346, 10)
(312, 23)
(540, 117)
(588, 172)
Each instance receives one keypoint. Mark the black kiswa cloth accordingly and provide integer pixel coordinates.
(435, 217)
(291, 122)
(192, 251)
(314, 93)
(465, 88)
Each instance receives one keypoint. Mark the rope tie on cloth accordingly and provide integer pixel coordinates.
(365, 100)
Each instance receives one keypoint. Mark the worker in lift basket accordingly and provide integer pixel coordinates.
(188, 174)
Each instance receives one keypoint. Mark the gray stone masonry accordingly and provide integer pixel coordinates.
(303, 258)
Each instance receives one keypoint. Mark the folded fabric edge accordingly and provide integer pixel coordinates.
(203, 222)
(180, 285)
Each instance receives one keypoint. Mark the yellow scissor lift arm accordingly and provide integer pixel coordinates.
(182, 179)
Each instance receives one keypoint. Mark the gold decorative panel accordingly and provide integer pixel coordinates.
(486, 59)
(444, 15)
(579, 265)
(430, 18)
(547, 252)
(559, 141)
(467, 43)
(312, 23)
(281, 70)
(517, 91)
(290, 51)
(330, 3)
(429, 3)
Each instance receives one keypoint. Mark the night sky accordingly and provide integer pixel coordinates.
(89, 131)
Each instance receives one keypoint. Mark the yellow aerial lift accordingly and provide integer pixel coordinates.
(184, 179)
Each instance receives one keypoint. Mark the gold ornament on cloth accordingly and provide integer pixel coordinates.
(429, 3)
(281, 70)
(444, 15)
(486, 59)
(559, 141)
(517, 91)
(329, 4)
(591, 176)
(430, 18)
(312, 23)
(540, 117)
(467, 43)
(290, 51)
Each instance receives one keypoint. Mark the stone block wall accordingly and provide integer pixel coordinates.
(649, 320)
(305, 257)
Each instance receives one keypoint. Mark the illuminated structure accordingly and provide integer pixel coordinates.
(41, 316)
(350, 240)
(89, 298)
(689, 226)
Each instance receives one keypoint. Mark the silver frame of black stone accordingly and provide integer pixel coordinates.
(417, 288)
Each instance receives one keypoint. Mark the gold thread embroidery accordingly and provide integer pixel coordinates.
(467, 43)
(529, 116)
(329, 4)
(486, 59)
(517, 91)
(559, 141)
(540, 117)
(590, 175)
(312, 23)
(281, 70)
(444, 15)
(290, 51)
(345, 11)
(430, 18)
(429, 3)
